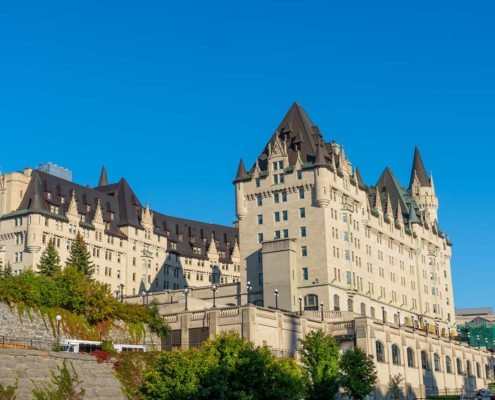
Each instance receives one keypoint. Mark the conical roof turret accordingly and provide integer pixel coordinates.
(241, 171)
(103, 177)
(418, 170)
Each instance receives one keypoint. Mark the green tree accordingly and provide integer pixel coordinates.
(395, 387)
(320, 355)
(7, 272)
(50, 261)
(358, 373)
(80, 256)
(1, 267)
(76, 287)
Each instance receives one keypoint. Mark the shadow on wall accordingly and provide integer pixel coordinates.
(254, 269)
(468, 384)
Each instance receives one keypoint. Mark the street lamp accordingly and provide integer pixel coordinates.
(412, 318)
(145, 294)
(398, 317)
(186, 294)
(117, 294)
(214, 290)
(450, 339)
(249, 288)
(478, 339)
(300, 305)
(321, 307)
(383, 314)
(426, 325)
(121, 292)
(276, 298)
(58, 318)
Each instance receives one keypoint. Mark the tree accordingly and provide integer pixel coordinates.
(80, 257)
(7, 272)
(1, 267)
(358, 373)
(395, 387)
(50, 261)
(320, 354)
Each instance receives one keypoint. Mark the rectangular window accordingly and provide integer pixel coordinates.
(348, 278)
(302, 213)
(301, 193)
(299, 174)
(275, 165)
(285, 216)
(260, 219)
(347, 255)
(305, 274)
(286, 233)
(260, 201)
(304, 251)
(346, 237)
(284, 197)
(277, 235)
(260, 237)
(260, 256)
(275, 179)
(277, 216)
(260, 279)
(280, 165)
(276, 197)
(257, 182)
(344, 217)
(303, 231)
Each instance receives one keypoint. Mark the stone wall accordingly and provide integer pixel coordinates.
(37, 327)
(31, 367)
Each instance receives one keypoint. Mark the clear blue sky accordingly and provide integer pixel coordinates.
(172, 94)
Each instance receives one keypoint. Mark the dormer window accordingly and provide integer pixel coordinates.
(83, 218)
(111, 215)
(62, 200)
(48, 195)
(88, 208)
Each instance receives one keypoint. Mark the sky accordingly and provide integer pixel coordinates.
(170, 95)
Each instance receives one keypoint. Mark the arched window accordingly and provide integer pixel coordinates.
(395, 354)
(410, 357)
(436, 362)
(336, 303)
(380, 354)
(311, 302)
(372, 312)
(350, 305)
(459, 366)
(478, 370)
(487, 371)
(448, 365)
(469, 369)
(424, 360)
(363, 309)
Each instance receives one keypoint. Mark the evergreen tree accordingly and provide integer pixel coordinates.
(1, 267)
(80, 257)
(7, 272)
(50, 261)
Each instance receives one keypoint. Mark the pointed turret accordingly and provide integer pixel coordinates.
(413, 216)
(378, 200)
(322, 183)
(241, 171)
(240, 201)
(320, 157)
(103, 177)
(357, 176)
(418, 170)
(399, 213)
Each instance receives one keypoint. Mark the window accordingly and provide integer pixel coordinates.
(372, 312)
(348, 278)
(286, 233)
(280, 165)
(260, 219)
(344, 217)
(299, 174)
(305, 274)
(347, 255)
(285, 216)
(395, 355)
(260, 279)
(436, 362)
(275, 179)
(336, 302)
(277, 235)
(304, 251)
(276, 198)
(350, 305)
(424, 361)
(301, 193)
(459, 366)
(346, 237)
(311, 300)
(469, 370)
(478, 370)
(260, 200)
(260, 237)
(275, 166)
(302, 213)
(410, 357)
(448, 365)
(284, 197)
(260, 256)
(363, 309)
(303, 231)
(380, 354)
(257, 182)
(277, 216)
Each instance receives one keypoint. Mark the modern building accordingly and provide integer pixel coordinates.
(476, 326)
(312, 229)
(130, 244)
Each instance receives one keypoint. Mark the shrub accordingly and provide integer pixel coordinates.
(101, 356)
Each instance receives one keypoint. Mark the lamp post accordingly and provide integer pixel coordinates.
(383, 314)
(437, 328)
(185, 294)
(478, 339)
(214, 290)
(117, 293)
(300, 305)
(121, 292)
(450, 339)
(58, 318)
(321, 307)
(249, 288)
(398, 317)
(426, 325)
(412, 318)
(276, 298)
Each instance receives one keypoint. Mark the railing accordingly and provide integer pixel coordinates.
(171, 318)
(283, 353)
(23, 343)
(229, 311)
(198, 315)
(326, 314)
(342, 325)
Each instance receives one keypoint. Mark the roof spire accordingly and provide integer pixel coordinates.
(241, 171)
(103, 177)
(418, 170)
(319, 158)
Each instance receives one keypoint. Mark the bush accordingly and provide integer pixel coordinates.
(101, 356)
(62, 387)
(9, 392)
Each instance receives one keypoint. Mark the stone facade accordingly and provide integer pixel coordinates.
(32, 367)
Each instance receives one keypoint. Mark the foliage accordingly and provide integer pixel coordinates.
(62, 387)
(130, 368)
(320, 354)
(7, 271)
(395, 387)
(155, 321)
(9, 392)
(101, 356)
(227, 367)
(358, 373)
(80, 256)
(107, 346)
(50, 260)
